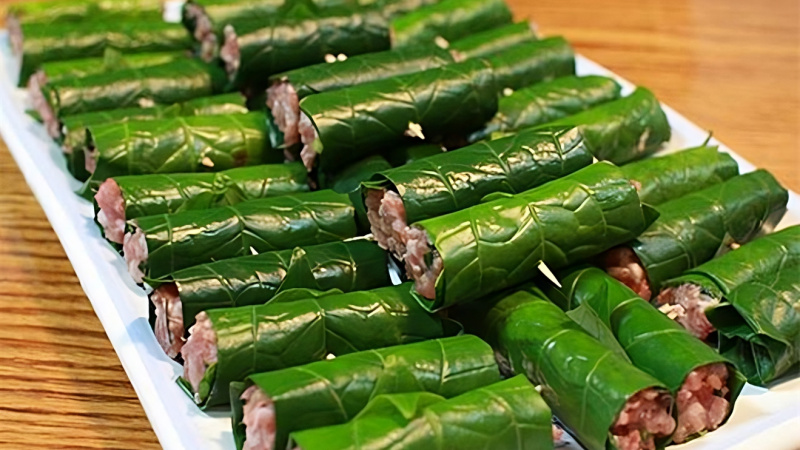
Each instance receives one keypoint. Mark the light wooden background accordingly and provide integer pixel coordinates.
(732, 66)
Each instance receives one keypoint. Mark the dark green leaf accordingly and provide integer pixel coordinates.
(490, 42)
(534, 62)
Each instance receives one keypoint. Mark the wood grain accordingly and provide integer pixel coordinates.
(731, 66)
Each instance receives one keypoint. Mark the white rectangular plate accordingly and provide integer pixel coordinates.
(762, 418)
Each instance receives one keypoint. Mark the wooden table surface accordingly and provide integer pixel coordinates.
(731, 66)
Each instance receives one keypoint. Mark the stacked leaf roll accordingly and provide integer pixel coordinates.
(268, 407)
(252, 280)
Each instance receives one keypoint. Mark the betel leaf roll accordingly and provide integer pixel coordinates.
(688, 297)
(333, 392)
(694, 228)
(256, 50)
(173, 82)
(156, 246)
(490, 42)
(288, 88)
(110, 61)
(447, 21)
(465, 255)
(251, 280)
(759, 326)
(669, 177)
(72, 133)
(227, 345)
(533, 62)
(346, 125)
(41, 43)
(623, 130)
(60, 11)
(120, 199)
(452, 181)
(508, 415)
(180, 144)
(704, 383)
(549, 101)
(599, 396)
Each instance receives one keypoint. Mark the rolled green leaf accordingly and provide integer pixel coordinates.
(411, 153)
(449, 20)
(490, 42)
(333, 392)
(180, 144)
(448, 182)
(586, 384)
(759, 327)
(160, 245)
(174, 82)
(352, 123)
(505, 415)
(120, 199)
(669, 177)
(72, 129)
(269, 47)
(689, 297)
(112, 60)
(281, 334)
(549, 101)
(695, 228)
(256, 279)
(488, 247)
(656, 345)
(531, 63)
(60, 11)
(623, 130)
(41, 43)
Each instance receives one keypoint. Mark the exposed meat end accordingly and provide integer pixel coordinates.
(51, 123)
(558, 434)
(134, 248)
(693, 304)
(701, 401)
(197, 14)
(259, 420)
(285, 106)
(623, 264)
(645, 417)
(423, 263)
(229, 53)
(15, 35)
(90, 153)
(387, 217)
(111, 215)
(200, 350)
(169, 319)
(308, 136)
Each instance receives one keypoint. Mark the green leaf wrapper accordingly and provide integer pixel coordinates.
(73, 128)
(669, 177)
(498, 244)
(349, 180)
(264, 338)
(333, 392)
(448, 182)
(356, 121)
(653, 342)
(692, 229)
(178, 241)
(759, 327)
(449, 20)
(502, 416)
(585, 383)
(269, 47)
(490, 42)
(549, 101)
(181, 144)
(412, 153)
(251, 280)
(761, 258)
(174, 82)
(531, 63)
(60, 11)
(110, 61)
(362, 69)
(148, 195)
(58, 42)
(623, 130)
